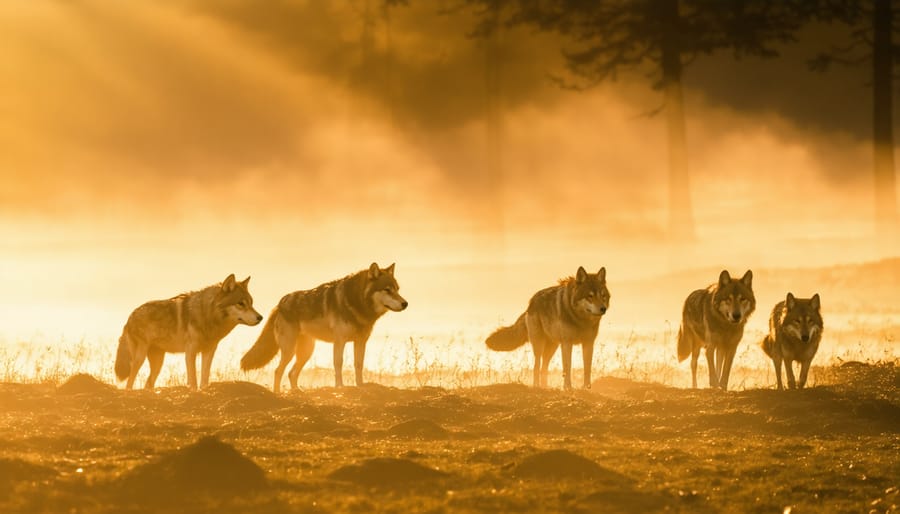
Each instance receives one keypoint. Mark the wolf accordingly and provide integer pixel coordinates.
(336, 312)
(562, 315)
(191, 322)
(795, 329)
(714, 319)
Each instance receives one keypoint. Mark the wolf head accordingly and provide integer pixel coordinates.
(235, 301)
(591, 295)
(383, 291)
(801, 318)
(733, 298)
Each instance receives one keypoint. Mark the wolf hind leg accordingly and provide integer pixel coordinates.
(695, 354)
(303, 350)
(155, 356)
(138, 354)
(777, 362)
(549, 350)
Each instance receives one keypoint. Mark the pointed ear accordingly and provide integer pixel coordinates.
(374, 272)
(228, 283)
(815, 303)
(580, 275)
(747, 279)
(790, 301)
(245, 282)
(724, 278)
(390, 269)
(602, 274)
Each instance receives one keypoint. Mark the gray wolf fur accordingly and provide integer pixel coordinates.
(192, 323)
(337, 312)
(714, 319)
(795, 329)
(562, 315)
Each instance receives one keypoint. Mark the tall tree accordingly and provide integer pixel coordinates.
(874, 24)
(659, 38)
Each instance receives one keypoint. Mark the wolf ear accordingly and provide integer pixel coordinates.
(374, 271)
(724, 278)
(814, 302)
(747, 279)
(601, 275)
(390, 269)
(245, 282)
(228, 283)
(580, 275)
(790, 301)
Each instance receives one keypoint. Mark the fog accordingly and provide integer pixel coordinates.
(148, 149)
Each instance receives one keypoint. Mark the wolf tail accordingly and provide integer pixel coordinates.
(265, 348)
(684, 345)
(768, 345)
(123, 358)
(509, 338)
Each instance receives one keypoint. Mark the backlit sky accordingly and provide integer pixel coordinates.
(148, 148)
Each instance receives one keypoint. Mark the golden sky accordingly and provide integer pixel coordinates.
(147, 148)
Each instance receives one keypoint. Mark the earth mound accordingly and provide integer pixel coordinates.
(82, 383)
(419, 429)
(207, 466)
(385, 471)
(563, 464)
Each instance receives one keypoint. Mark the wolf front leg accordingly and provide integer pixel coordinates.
(804, 371)
(567, 365)
(789, 370)
(728, 360)
(339, 363)
(190, 363)
(587, 356)
(777, 362)
(711, 365)
(206, 358)
(359, 356)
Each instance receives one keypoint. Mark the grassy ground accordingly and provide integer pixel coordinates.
(623, 446)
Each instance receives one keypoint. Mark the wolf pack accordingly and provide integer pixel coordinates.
(557, 317)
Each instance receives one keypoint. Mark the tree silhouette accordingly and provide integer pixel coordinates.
(659, 38)
(873, 26)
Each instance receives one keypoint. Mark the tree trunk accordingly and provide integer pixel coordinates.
(681, 219)
(493, 178)
(882, 123)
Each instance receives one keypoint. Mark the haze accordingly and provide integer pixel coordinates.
(152, 148)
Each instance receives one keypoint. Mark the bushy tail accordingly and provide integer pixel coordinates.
(265, 348)
(509, 338)
(768, 345)
(684, 345)
(123, 358)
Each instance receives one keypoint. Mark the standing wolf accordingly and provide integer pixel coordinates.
(192, 323)
(795, 329)
(563, 315)
(714, 319)
(336, 312)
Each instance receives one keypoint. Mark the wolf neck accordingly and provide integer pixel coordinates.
(360, 305)
(216, 324)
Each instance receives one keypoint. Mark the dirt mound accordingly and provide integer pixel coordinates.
(208, 466)
(419, 429)
(563, 464)
(386, 471)
(82, 383)
(238, 397)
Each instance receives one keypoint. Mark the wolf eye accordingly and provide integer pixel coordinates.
(591, 294)
(387, 289)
